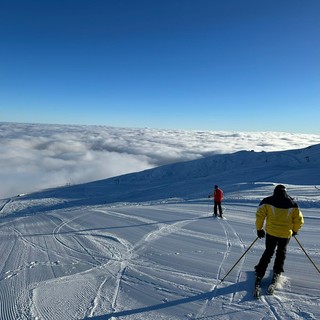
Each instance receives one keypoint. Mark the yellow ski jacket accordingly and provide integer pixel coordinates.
(282, 216)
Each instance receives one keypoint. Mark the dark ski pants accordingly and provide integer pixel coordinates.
(271, 244)
(217, 205)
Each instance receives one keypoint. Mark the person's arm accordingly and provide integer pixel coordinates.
(260, 216)
(297, 221)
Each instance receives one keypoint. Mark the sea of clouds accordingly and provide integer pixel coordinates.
(38, 156)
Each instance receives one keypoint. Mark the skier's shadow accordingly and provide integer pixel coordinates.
(246, 285)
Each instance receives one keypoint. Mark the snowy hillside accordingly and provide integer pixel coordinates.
(145, 245)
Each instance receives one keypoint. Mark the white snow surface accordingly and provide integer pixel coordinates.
(145, 245)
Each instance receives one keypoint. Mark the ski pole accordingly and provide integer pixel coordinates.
(209, 205)
(306, 254)
(241, 257)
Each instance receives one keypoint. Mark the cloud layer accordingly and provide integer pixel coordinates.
(35, 156)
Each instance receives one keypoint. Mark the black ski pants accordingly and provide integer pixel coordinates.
(217, 205)
(271, 244)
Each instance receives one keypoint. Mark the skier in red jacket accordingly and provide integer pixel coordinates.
(217, 195)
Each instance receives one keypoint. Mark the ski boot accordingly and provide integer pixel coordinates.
(273, 283)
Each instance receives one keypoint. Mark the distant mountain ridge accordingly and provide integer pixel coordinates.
(196, 178)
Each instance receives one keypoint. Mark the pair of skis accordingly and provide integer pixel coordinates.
(271, 288)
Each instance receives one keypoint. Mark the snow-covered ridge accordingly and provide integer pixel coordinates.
(194, 179)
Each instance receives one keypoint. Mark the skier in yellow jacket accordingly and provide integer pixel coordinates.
(283, 220)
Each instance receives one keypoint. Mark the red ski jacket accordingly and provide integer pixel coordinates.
(218, 195)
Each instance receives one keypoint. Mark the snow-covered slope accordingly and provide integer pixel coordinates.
(145, 245)
(196, 178)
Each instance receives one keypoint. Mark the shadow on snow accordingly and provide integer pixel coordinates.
(211, 295)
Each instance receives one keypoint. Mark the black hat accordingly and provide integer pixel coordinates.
(216, 187)
(280, 190)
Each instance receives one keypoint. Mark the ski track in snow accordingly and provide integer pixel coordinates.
(225, 225)
(229, 242)
(163, 230)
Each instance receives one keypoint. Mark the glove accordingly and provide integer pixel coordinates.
(294, 233)
(261, 233)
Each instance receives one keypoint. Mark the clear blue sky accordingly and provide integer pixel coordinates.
(201, 64)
